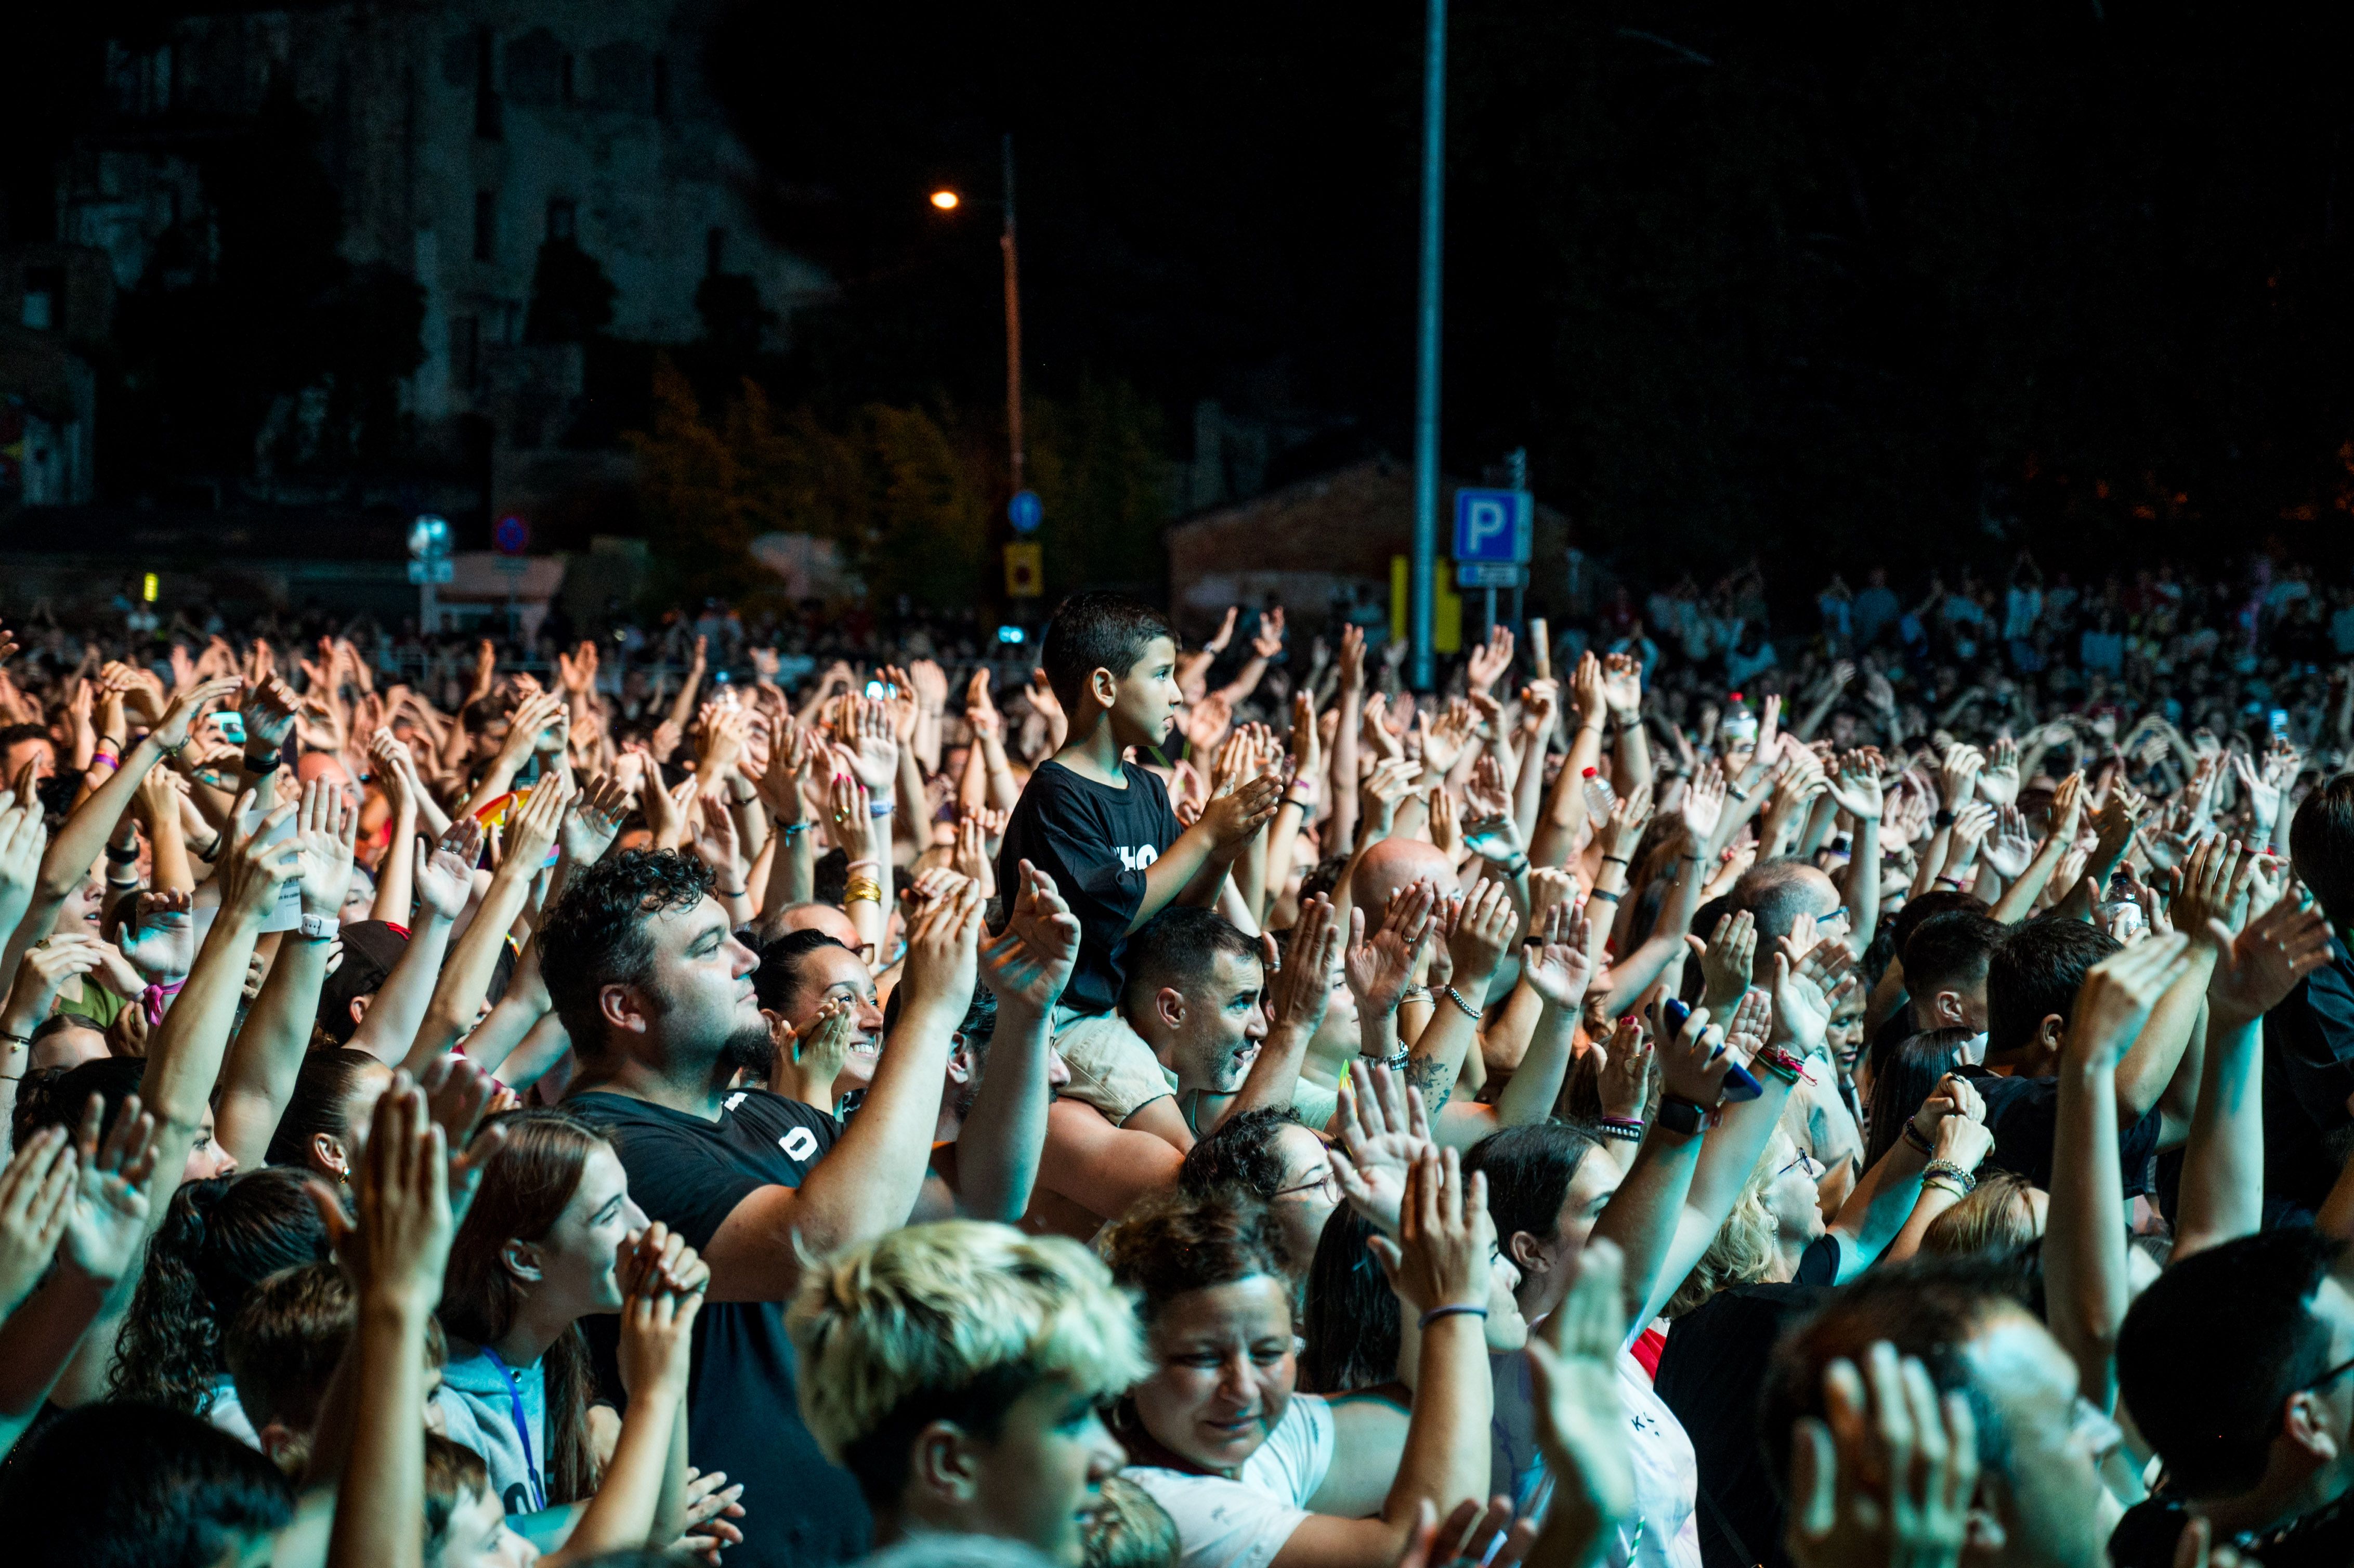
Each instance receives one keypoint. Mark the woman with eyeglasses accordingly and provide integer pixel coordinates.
(1268, 1154)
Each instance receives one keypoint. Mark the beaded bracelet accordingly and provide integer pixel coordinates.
(1628, 1129)
(1913, 1136)
(1946, 1170)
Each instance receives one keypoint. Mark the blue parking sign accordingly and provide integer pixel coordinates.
(1493, 525)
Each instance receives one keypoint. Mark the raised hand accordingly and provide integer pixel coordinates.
(1692, 1065)
(445, 874)
(1888, 1475)
(1956, 775)
(1727, 960)
(458, 1095)
(595, 819)
(1558, 966)
(1998, 780)
(1383, 1130)
(114, 1188)
(1702, 807)
(251, 872)
(874, 750)
(325, 828)
(1491, 659)
(161, 941)
(2118, 995)
(1380, 968)
(1622, 687)
(943, 951)
(1446, 1237)
(1622, 1078)
(1029, 962)
(2263, 964)
(2012, 847)
(37, 1193)
(1233, 818)
(399, 1246)
(1269, 642)
(1482, 932)
(531, 831)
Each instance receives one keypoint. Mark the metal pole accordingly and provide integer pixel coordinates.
(1012, 324)
(1425, 373)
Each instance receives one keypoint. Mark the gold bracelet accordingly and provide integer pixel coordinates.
(863, 887)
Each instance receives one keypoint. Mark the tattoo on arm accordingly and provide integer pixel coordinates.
(1436, 1084)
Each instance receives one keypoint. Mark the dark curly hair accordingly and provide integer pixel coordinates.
(1242, 1153)
(219, 1238)
(596, 935)
(1179, 1242)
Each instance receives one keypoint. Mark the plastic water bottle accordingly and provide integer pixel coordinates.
(1599, 802)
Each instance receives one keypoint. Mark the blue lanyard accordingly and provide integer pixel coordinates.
(522, 1427)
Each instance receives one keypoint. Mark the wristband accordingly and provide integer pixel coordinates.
(1604, 897)
(863, 889)
(1943, 819)
(1628, 1130)
(1395, 1062)
(1946, 1170)
(791, 829)
(1782, 1064)
(863, 860)
(740, 892)
(1615, 860)
(1436, 1313)
(1420, 994)
(880, 809)
(1953, 882)
(1913, 1136)
(109, 743)
(108, 757)
(319, 927)
(174, 750)
(121, 856)
(1456, 997)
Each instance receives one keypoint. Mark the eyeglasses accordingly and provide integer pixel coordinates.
(2325, 1379)
(1805, 1160)
(1323, 1183)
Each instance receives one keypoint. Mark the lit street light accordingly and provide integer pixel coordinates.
(945, 200)
(949, 201)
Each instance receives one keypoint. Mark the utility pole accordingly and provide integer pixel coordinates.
(1425, 375)
(1013, 324)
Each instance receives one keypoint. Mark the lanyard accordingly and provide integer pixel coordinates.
(522, 1427)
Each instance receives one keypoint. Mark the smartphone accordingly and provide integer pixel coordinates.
(2280, 721)
(881, 689)
(230, 725)
(1740, 1084)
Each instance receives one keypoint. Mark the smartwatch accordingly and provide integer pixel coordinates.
(1682, 1115)
(319, 927)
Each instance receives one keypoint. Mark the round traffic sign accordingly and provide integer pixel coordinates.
(512, 535)
(1025, 511)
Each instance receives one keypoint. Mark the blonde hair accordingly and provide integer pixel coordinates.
(1997, 1217)
(1744, 1248)
(954, 1321)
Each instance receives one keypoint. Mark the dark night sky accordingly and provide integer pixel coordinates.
(1908, 277)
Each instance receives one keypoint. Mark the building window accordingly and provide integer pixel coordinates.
(465, 352)
(486, 94)
(559, 220)
(715, 253)
(486, 226)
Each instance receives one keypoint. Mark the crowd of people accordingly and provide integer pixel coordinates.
(1674, 1095)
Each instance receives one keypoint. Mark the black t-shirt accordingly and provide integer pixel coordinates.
(1712, 1375)
(2309, 1074)
(2023, 1114)
(742, 1413)
(1096, 842)
(2146, 1537)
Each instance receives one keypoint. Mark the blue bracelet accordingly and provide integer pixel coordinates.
(880, 807)
(1436, 1313)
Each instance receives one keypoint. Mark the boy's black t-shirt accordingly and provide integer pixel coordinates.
(2023, 1114)
(1096, 842)
(743, 1416)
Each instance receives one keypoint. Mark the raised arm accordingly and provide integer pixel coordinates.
(1482, 930)
(869, 1183)
(465, 980)
(1212, 843)
(2084, 1241)
(444, 881)
(1026, 966)
(2223, 1168)
(257, 1078)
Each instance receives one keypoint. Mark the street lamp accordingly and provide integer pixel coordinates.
(949, 201)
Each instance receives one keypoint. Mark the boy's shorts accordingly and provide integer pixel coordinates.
(1112, 1068)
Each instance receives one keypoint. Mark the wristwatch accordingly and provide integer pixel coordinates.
(319, 927)
(1678, 1115)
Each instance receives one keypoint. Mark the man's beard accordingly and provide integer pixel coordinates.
(750, 1049)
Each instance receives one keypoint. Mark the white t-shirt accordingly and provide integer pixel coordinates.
(1663, 1533)
(1243, 1524)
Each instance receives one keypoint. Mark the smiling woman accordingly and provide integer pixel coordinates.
(1255, 1473)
